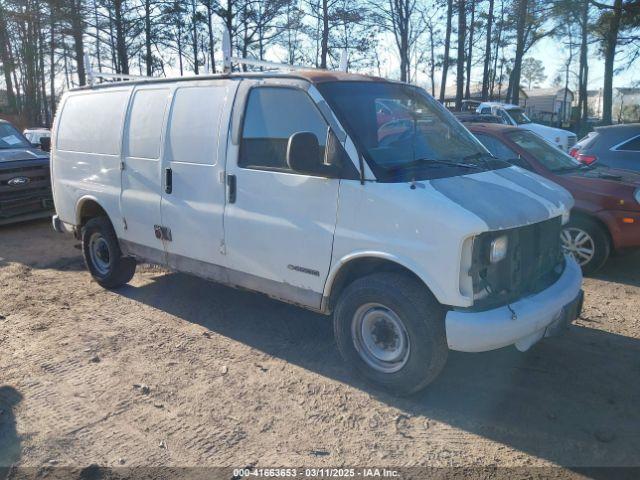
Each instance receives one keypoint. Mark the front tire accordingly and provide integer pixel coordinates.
(102, 254)
(587, 242)
(390, 329)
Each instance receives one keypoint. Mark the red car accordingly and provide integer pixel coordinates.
(606, 216)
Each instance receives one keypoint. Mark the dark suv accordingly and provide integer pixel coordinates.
(25, 185)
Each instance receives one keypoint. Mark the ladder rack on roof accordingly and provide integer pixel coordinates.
(228, 62)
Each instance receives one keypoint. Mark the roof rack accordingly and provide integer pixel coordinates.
(228, 62)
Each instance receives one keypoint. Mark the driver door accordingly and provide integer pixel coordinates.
(279, 224)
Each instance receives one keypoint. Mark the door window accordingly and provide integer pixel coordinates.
(272, 115)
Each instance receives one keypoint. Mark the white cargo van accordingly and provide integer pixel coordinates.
(514, 115)
(395, 220)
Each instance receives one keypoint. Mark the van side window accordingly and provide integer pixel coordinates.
(272, 115)
(145, 124)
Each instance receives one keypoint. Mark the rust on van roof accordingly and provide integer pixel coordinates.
(323, 76)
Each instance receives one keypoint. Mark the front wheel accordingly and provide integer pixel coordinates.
(102, 254)
(390, 329)
(587, 242)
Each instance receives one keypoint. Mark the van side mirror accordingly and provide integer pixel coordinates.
(45, 144)
(303, 153)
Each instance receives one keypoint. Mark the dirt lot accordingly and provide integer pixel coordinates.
(173, 370)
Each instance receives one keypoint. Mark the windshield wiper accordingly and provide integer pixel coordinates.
(426, 162)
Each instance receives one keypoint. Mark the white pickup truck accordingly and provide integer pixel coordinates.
(514, 115)
(344, 194)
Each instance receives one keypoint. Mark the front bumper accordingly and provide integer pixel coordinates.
(535, 316)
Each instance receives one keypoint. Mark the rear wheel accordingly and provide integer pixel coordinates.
(102, 254)
(587, 242)
(390, 329)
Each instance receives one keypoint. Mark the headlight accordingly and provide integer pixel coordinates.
(637, 195)
(498, 249)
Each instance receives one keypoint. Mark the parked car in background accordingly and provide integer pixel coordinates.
(416, 240)
(515, 116)
(473, 117)
(25, 185)
(615, 146)
(606, 215)
(35, 136)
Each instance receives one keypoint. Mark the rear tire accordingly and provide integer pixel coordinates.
(587, 242)
(102, 254)
(390, 329)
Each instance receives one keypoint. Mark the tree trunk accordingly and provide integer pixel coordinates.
(487, 53)
(211, 44)
(77, 32)
(497, 52)
(610, 44)
(432, 66)
(95, 18)
(121, 46)
(447, 41)
(514, 80)
(7, 61)
(324, 42)
(467, 92)
(462, 27)
(148, 57)
(52, 64)
(194, 33)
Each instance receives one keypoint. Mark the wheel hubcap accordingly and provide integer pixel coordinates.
(579, 244)
(380, 337)
(99, 253)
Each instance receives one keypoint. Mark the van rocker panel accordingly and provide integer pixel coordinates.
(490, 329)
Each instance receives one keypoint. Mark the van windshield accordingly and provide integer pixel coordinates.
(403, 133)
(11, 138)
(518, 116)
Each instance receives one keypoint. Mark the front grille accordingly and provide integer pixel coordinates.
(533, 262)
(32, 197)
(571, 141)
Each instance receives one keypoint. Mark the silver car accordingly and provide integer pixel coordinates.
(616, 146)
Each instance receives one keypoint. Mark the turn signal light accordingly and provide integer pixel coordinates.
(628, 220)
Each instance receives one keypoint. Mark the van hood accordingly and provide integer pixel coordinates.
(16, 154)
(549, 133)
(507, 197)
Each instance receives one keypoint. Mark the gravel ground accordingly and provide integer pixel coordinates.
(176, 371)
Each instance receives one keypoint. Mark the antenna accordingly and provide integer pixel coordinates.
(88, 70)
(344, 60)
(226, 51)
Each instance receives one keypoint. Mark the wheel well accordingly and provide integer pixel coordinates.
(596, 220)
(360, 267)
(90, 209)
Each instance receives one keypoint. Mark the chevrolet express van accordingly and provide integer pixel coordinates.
(344, 194)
